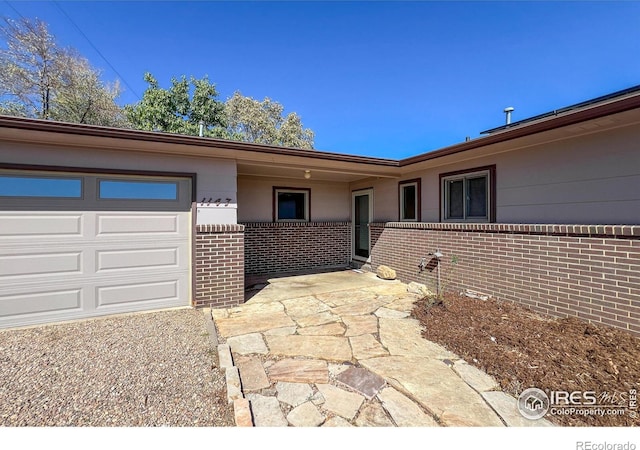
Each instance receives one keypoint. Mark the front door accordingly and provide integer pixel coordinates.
(362, 213)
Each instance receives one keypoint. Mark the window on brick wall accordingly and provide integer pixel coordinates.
(291, 204)
(409, 197)
(468, 196)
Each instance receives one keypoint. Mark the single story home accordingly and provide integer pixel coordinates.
(544, 212)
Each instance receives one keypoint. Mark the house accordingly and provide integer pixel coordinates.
(545, 212)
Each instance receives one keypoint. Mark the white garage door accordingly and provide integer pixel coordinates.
(82, 245)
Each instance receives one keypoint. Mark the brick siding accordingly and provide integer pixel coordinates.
(283, 247)
(591, 272)
(219, 265)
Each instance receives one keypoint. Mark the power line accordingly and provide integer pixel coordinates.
(133, 91)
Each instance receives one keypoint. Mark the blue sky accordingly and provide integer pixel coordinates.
(386, 79)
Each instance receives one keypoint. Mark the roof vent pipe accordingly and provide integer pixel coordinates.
(508, 112)
(201, 130)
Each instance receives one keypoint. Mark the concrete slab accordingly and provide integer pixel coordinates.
(247, 344)
(362, 381)
(329, 348)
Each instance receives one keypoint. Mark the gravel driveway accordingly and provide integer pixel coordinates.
(146, 369)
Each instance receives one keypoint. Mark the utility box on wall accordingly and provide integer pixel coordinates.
(217, 211)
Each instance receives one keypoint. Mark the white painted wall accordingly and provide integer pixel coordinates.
(330, 201)
(216, 178)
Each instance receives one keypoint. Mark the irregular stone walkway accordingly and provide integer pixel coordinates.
(340, 349)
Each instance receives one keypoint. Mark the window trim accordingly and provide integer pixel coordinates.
(417, 182)
(297, 190)
(490, 172)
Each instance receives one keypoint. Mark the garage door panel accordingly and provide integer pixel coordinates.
(27, 226)
(137, 259)
(38, 264)
(37, 303)
(120, 224)
(137, 293)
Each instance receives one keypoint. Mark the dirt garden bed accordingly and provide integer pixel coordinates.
(522, 349)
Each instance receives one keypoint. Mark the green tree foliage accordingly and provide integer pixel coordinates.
(262, 122)
(40, 79)
(179, 109)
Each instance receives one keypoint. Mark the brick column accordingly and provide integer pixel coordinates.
(219, 265)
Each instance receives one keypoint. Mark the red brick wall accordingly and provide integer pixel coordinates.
(219, 265)
(296, 246)
(592, 272)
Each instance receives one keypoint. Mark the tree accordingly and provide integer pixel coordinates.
(250, 120)
(40, 79)
(179, 109)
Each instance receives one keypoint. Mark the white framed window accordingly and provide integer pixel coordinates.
(467, 196)
(291, 204)
(409, 198)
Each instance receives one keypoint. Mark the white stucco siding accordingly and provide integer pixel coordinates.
(216, 178)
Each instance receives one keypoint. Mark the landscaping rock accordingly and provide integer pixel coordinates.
(366, 346)
(233, 384)
(252, 374)
(475, 377)
(420, 289)
(336, 422)
(328, 329)
(330, 348)
(403, 411)
(267, 412)
(386, 273)
(361, 380)
(242, 413)
(299, 371)
(357, 325)
(247, 343)
(387, 313)
(373, 416)
(224, 356)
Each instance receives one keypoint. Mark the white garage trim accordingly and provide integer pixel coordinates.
(66, 255)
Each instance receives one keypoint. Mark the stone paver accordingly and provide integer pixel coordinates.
(242, 413)
(224, 356)
(357, 309)
(305, 306)
(317, 319)
(232, 377)
(305, 415)
(373, 416)
(357, 325)
(403, 337)
(293, 394)
(246, 324)
(348, 330)
(403, 411)
(336, 422)
(431, 383)
(474, 377)
(247, 344)
(329, 329)
(507, 407)
(391, 313)
(366, 346)
(267, 412)
(299, 371)
(330, 348)
(362, 381)
(252, 374)
(343, 403)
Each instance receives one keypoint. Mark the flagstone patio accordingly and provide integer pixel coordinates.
(340, 349)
